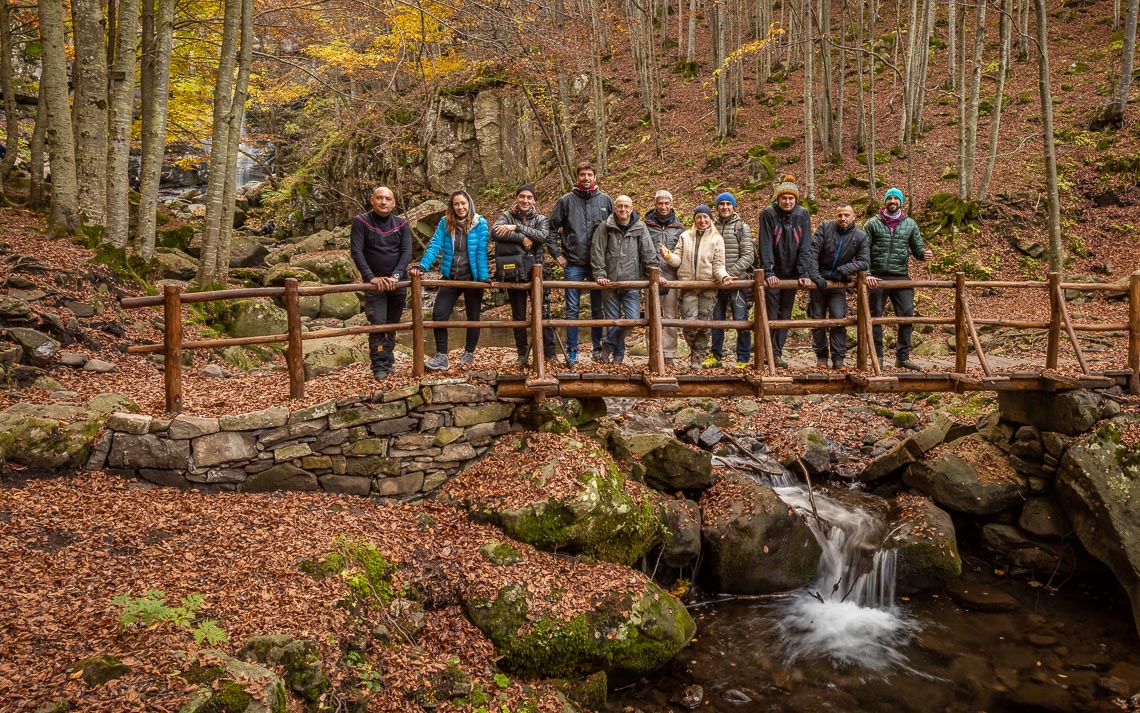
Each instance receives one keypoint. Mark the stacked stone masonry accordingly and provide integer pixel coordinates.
(393, 443)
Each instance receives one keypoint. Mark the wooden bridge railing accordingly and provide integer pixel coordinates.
(965, 325)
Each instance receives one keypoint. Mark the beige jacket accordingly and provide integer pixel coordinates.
(699, 261)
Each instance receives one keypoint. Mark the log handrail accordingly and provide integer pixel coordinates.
(965, 326)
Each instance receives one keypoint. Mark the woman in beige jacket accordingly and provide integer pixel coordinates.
(699, 255)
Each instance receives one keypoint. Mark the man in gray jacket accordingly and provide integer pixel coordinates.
(739, 257)
(622, 250)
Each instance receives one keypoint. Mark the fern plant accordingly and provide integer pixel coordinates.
(152, 609)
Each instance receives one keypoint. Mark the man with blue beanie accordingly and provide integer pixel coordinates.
(739, 256)
(894, 237)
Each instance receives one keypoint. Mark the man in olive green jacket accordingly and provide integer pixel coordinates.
(894, 237)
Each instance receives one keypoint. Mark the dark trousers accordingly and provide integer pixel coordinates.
(518, 300)
(823, 304)
(738, 300)
(903, 303)
(383, 308)
(779, 303)
(619, 304)
(445, 304)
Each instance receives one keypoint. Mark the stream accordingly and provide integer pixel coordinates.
(849, 642)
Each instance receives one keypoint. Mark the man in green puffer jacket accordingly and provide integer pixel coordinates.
(894, 237)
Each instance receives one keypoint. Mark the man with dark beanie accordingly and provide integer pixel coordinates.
(894, 237)
(381, 247)
(839, 250)
(572, 223)
(520, 237)
(785, 237)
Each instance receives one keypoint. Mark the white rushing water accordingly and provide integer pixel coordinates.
(848, 614)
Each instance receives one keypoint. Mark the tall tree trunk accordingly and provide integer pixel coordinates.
(1004, 27)
(1023, 28)
(764, 56)
(1056, 248)
(809, 110)
(146, 61)
(1120, 98)
(90, 76)
(224, 122)
(962, 120)
(58, 129)
(951, 82)
(11, 118)
(840, 86)
(872, 187)
(826, 109)
(122, 112)
(861, 92)
(718, 28)
(36, 192)
(154, 127)
(691, 48)
(599, 93)
(972, 109)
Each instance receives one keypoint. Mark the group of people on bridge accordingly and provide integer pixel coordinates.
(597, 239)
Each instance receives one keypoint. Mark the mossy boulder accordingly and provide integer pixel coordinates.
(633, 631)
(255, 318)
(178, 238)
(276, 275)
(304, 672)
(970, 475)
(37, 348)
(173, 264)
(662, 461)
(320, 241)
(559, 493)
(324, 356)
(925, 544)
(753, 542)
(1098, 485)
(332, 267)
(559, 415)
(227, 685)
(42, 438)
(340, 305)
(99, 669)
(1068, 412)
(811, 449)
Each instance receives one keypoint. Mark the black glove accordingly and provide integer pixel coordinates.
(821, 283)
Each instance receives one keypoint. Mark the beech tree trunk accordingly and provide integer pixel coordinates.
(966, 184)
(154, 125)
(12, 119)
(809, 113)
(1004, 27)
(122, 95)
(691, 47)
(237, 111)
(58, 129)
(1056, 248)
(952, 32)
(89, 73)
(36, 194)
(1120, 98)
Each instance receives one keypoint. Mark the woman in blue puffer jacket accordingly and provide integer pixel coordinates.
(460, 241)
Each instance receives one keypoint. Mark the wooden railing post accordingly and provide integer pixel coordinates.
(417, 324)
(172, 346)
(654, 333)
(1134, 332)
(537, 348)
(1053, 346)
(862, 327)
(961, 336)
(763, 336)
(294, 354)
(863, 302)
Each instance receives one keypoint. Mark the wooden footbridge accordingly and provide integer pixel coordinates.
(761, 377)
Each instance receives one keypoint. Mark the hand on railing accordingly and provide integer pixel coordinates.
(384, 284)
(772, 280)
(603, 281)
(415, 270)
(872, 282)
(728, 279)
(805, 282)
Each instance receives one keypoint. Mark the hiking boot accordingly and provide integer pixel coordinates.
(598, 355)
(466, 359)
(820, 363)
(437, 362)
(571, 359)
(907, 364)
(606, 356)
(522, 361)
(741, 365)
(781, 363)
(710, 362)
(380, 374)
(840, 366)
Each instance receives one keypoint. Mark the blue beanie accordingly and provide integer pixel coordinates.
(702, 208)
(726, 196)
(896, 193)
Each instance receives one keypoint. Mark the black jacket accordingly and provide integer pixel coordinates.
(509, 249)
(665, 230)
(572, 223)
(785, 239)
(381, 247)
(837, 256)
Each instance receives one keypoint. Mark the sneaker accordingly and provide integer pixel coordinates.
(710, 362)
(907, 364)
(606, 356)
(598, 355)
(741, 365)
(437, 362)
(523, 361)
(571, 359)
(781, 363)
(380, 374)
(695, 361)
(466, 359)
(840, 366)
(820, 363)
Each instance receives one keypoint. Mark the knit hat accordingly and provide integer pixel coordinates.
(525, 187)
(726, 196)
(788, 186)
(896, 193)
(702, 208)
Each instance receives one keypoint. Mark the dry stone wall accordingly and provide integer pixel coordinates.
(391, 443)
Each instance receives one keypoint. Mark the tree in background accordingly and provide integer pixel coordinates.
(58, 131)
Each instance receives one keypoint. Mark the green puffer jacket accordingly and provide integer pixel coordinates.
(891, 251)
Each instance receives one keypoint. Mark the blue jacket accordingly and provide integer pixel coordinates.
(441, 243)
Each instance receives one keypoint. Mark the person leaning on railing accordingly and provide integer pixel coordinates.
(381, 247)
(739, 258)
(785, 236)
(621, 250)
(839, 250)
(520, 237)
(699, 256)
(460, 242)
(666, 229)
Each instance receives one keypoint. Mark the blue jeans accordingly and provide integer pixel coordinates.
(576, 272)
(739, 301)
(620, 304)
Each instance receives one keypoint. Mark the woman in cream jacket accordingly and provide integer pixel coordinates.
(699, 255)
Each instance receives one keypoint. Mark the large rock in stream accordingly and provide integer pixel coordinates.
(970, 475)
(662, 461)
(1098, 485)
(925, 543)
(559, 493)
(754, 543)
